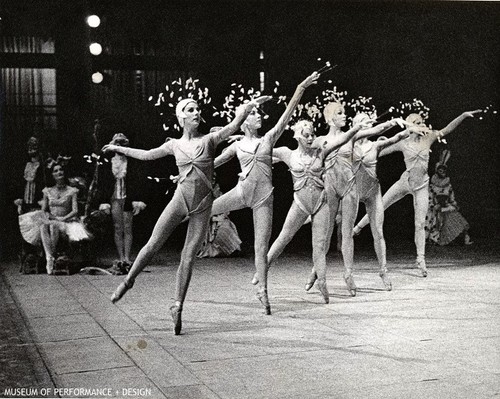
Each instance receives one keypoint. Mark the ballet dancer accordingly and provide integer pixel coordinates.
(415, 179)
(340, 185)
(254, 188)
(306, 165)
(194, 154)
(365, 155)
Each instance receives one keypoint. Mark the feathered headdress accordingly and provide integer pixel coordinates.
(443, 159)
(60, 160)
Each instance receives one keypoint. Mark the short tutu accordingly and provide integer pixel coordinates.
(30, 223)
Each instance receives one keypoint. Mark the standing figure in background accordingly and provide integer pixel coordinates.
(194, 153)
(255, 186)
(60, 207)
(415, 180)
(444, 223)
(34, 177)
(119, 195)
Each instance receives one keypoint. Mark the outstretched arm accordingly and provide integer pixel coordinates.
(275, 133)
(241, 114)
(282, 154)
(457, 121)
(225, 156)
(143, 155)
(396, 146)
(383, 142)
(379, 129)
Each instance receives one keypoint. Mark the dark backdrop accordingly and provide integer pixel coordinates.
(443, 53)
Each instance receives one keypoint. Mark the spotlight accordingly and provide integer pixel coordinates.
(93, 21)
(97, 77)
(95, 49)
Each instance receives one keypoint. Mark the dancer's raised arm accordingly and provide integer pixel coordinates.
(455, 122)
(379, 129)
(275, 133)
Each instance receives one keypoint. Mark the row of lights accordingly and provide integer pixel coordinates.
(95, 48)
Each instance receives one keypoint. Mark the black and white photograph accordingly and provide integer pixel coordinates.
(249, 199)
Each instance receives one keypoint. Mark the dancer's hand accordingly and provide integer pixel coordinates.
(470, 114)
(235, 137)
(421, 130)
(400, 122)
(260, 100)
(110, 148)
(403, 135)
(364, 124)
(137, 206)
(310, 80)
(247, 107)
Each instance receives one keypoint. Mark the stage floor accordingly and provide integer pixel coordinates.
(434, 337)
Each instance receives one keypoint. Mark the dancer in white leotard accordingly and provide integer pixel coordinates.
(309, 199)
(194, 154)
(340, 185)
(365, 155)
(415, 180)
(255, 189)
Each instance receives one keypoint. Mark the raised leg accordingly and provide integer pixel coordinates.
(397, 191)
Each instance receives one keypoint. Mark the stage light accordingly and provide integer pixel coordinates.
(97, 77)
(93, 21)
(95, 49)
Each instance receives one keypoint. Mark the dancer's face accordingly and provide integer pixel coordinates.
(338, 117)
(307, 136)
(58, 173)
(254, 120)
(193, 114)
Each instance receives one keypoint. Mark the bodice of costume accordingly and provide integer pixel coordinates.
(416, 155)
(254, 161)
(338, 170)
(30, 172)
(364, 168)
(307, 176)
(119, 170)
(306, 173)
(195, 160)
(60, 201)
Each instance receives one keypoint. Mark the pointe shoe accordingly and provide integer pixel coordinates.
(50, 265)
(321, 284)
(385, 279)
(176, 313)
(264, 299)
(423, 268)
(121, 290)
(255, 279)
(311, 280)
(351, 286)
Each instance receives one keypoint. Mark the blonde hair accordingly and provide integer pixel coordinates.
(299, 127)
(413, 117)
(330, 110)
